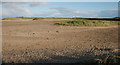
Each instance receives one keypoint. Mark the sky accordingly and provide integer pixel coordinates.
(59, 9)
(59, 0)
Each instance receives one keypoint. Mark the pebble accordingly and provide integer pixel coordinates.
(33, 33)
(57, 31)
(115, 50)
(47, 38)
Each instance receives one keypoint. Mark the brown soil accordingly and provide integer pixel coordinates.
(43, 42)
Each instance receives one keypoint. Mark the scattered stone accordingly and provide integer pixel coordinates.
(62, 50)
(57, 31)
(26, 52)
(47, 38)
(13, 54)
(33, 33)
(12, 61)
(65, 41)
(115, 50)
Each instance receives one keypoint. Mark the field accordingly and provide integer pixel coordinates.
(41, 41)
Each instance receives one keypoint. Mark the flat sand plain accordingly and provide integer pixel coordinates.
(40, 41)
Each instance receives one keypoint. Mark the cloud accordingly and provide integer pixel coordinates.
(34, 4)
(60, 0)
(19, 9)
(108, 13)
(15, 9)
(23, 0)
(0, 11)
(23, 9)
(65, 12)
(71, 12)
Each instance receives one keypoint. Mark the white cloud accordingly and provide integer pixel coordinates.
(23, 0)
(34, 4)
(60, 0)
(15, 9)
(71, 12)
(22, 9)
(0, 11)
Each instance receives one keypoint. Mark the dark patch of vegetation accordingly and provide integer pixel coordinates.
(88, 23)
(109, 59)
(109, 19)
(36, 19)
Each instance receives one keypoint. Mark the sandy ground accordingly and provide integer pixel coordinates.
(42, 42)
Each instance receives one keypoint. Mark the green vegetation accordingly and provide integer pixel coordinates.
(75, 21)
(88, 23)
(31, 18)
(17, 18)
(22, 18)
(11, 18)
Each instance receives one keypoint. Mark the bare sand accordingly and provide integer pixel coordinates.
(41, 41)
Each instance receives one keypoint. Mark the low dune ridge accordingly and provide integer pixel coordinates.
(41, 41)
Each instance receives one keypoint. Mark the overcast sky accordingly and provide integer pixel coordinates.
(60, 9)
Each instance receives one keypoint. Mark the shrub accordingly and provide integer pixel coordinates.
(36, 19)
(89, 23)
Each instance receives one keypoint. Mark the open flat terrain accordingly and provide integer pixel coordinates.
(41, 41)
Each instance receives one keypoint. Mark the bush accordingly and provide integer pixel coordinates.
(89, 23)
(36, 19)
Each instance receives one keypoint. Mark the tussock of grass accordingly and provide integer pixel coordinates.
(88, 23)
(109, 59)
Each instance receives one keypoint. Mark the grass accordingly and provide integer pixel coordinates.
(21, 18)
(16, 18)
(108, 60)
(78, 18)
(76, 21)
(83, 22)
(111, 58)
(33, 18)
